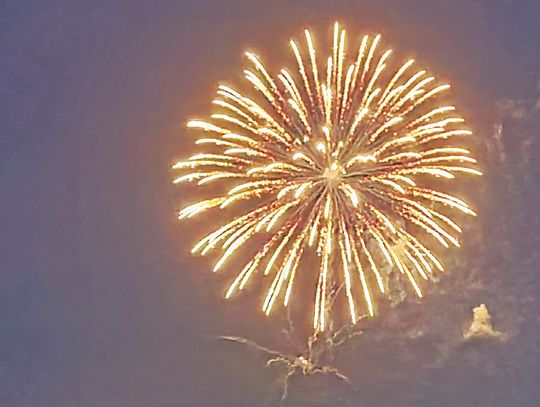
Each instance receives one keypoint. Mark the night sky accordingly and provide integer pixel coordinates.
(101, 303)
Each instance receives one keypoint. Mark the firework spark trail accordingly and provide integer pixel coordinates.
(306, 364)
(314, 358)
(345, 167)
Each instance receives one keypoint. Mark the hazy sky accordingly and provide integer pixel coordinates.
(100, 302)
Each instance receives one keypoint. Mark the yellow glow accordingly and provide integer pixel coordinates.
(343, 159)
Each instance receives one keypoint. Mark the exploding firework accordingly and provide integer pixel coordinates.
(343, 161)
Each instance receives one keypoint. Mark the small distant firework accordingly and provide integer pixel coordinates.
(343, 161)
(481, 325)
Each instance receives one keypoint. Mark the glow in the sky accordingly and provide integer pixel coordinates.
(346, 159)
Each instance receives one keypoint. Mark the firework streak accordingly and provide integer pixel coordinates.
(342, 160)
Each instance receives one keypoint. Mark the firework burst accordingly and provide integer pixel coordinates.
(342, 160)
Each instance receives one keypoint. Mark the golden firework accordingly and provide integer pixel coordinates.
(343, 160)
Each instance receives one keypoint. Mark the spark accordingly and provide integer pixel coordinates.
(342, 160)
(305, 364)
(316, 355)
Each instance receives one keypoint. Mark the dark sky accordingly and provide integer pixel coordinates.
(100, 302)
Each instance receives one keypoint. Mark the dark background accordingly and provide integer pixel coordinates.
(100, 301)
